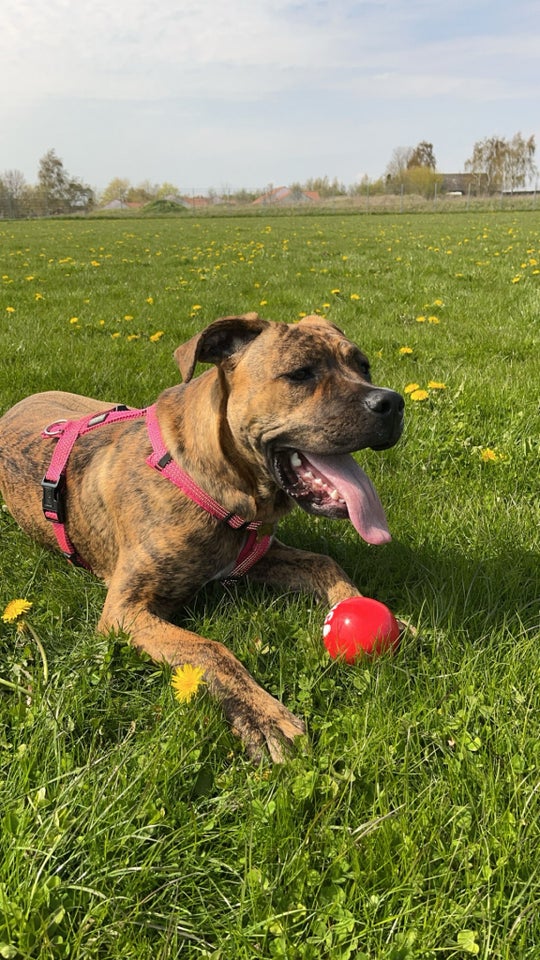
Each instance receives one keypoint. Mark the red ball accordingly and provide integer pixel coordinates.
(359, 626)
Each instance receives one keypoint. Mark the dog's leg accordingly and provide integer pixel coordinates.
(308, 572)
(301, 570)
(256, 717)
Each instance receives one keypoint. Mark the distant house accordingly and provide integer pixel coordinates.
(459, 184)
(122, 205)
(281, 196)
(193, 203)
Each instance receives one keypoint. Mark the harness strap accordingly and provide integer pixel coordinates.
(66, 432)
(260, 534)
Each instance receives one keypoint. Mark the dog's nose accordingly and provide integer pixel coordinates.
(385, 403)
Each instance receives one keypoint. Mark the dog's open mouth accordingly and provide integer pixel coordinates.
(333, 486)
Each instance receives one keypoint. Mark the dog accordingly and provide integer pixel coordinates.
(270, 424)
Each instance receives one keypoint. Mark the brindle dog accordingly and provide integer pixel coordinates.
(270, 425)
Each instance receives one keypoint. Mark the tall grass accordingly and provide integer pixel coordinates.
(133, 827)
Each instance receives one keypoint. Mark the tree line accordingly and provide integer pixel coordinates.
(496, 164)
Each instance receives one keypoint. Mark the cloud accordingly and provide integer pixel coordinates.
(134, 85)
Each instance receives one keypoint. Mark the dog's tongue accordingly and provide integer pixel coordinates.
(365, 509)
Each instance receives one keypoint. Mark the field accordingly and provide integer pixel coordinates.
(133, 826)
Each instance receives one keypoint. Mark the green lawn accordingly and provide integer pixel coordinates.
(134, 827)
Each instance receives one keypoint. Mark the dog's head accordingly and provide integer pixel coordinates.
(298, 399)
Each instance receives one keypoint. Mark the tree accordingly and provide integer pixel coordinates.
(52, 180)
(520, 166)
(167, 189)
(59, 192)
(13, 189)
(422, 156)
(117, 189)
(398, 166)
(503, 163)
(412, 170)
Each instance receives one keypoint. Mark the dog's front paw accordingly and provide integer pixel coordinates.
(264, 726)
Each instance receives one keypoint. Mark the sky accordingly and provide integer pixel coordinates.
(247, 93)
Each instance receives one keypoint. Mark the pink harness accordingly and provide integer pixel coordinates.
(66, 432)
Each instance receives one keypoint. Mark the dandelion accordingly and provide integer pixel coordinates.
(405, 351)
(411, 387)
(335, 291)
(433, 320)
(436, 385)
(516, 279)
(438, 303)
(74, 320)
(10, 309)
(421, 319)
(355, 296)
(488, 455)
(15, 609)
(95, 263)
(262, 303)
(128, 316)
(419, 395)
(149, 299)
(156, 336)
(38, 296)
(186, 681)
(133, 336)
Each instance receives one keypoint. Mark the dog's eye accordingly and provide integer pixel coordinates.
(301, 374)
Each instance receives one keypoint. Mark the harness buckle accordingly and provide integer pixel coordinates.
(53, 500)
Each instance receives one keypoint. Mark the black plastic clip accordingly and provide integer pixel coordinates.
(53, 500)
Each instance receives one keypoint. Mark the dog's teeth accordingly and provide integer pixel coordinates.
(334, 495)
(318, 482)
(295, 460)
(308, 475)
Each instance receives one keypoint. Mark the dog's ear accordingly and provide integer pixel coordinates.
(221, 339)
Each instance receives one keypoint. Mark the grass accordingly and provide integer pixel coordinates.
(134, 827)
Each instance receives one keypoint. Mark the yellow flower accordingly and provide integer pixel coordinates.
(263, 303)
(421, 319)
(149, 299)
(128, 316)
(405, 350)
(436, 385)
(411, 387)
(419, 395)
(433, 320)
(95, 263)
(74, 320)
(156, 336)
(15, 609)
(438, 303)
(514, 280)
(38, 296)
(335, 291)
(10, 309)
(186, 681)
(488, 455)
(355, 296)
